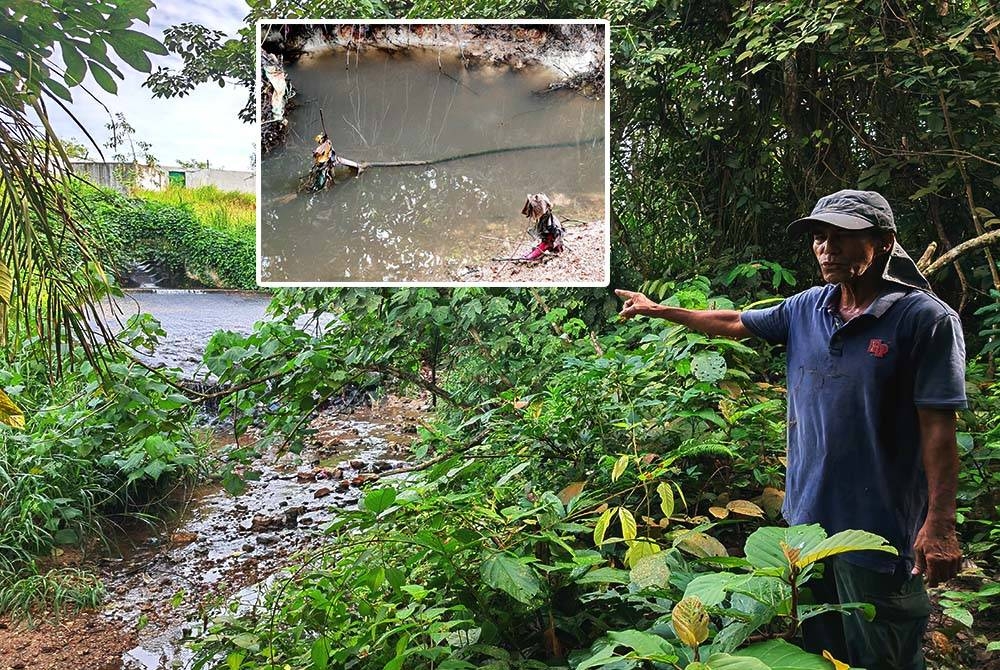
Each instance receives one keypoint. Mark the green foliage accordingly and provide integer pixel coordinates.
(200, 239)
(91, 447)
(230, 212)
(563, 450)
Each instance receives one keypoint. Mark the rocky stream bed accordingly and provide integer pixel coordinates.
(162, 582)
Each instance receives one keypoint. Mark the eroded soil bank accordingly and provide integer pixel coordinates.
(576, 52)
(162, 581)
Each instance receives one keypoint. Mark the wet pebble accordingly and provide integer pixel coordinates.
(267, 539)
(321, 492)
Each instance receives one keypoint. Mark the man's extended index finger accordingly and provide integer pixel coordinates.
(622, 293)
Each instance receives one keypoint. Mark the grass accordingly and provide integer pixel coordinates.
(55, 591)
(229, 211)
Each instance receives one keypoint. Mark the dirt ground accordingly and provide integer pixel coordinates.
(85, 641)
(582, 261)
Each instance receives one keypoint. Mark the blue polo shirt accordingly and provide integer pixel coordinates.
(854, 457)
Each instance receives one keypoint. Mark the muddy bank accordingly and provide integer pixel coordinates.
(162, 582)
(575, 52)
(583, 261)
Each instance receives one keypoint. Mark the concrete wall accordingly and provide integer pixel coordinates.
(227, 180)
(157, 179)
(107, 174)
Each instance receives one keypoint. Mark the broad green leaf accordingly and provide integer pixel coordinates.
(629, 528)
(10, 414)
(320, 654)
(666, 493)
(619, 468)
(129, 51)
(842, 542)
(711, 588)
(601, 527)
(730, 662)
(708, 366)
(645, 645)
(379, 500)
(235, 660)
(639, 549)
(247, 641)
(763, 547)
(771, 591)
(806, 612)
(651, 571)
(690, 622)
(605, 576)
(514, 578)
(76, 67)
(735, 634)
(781, 655)
(103, 78)
(961, 615)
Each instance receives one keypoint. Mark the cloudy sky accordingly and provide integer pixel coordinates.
(204, 125)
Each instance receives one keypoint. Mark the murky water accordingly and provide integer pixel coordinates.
(189, 319)
(423, 223)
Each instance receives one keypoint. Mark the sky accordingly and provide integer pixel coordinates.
(203, 125)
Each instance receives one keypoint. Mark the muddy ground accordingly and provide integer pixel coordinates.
(161, 581)
(583, 260)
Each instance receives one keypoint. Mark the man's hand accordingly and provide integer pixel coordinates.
(634, 303)
(938, 556)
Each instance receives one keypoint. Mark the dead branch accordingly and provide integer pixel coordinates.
(475, 442)
(969, 245)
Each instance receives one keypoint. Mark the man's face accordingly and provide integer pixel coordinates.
(844, 255)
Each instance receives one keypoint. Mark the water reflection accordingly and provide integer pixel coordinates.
(424, 223)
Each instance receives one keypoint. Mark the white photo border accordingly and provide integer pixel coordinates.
(442, 284)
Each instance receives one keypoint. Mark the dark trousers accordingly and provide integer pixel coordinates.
(892, 641)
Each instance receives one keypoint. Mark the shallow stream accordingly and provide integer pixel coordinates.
(215, 547)
(423, 223)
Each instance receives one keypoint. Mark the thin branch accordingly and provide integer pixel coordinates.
(975, 243)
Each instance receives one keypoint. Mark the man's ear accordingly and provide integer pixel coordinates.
(888, 241)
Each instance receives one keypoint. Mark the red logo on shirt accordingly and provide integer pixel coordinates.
(878, 348)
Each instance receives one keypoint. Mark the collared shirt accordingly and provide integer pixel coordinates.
(854, 455)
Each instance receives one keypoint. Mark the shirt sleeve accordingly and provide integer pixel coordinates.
(770, 323)
(939, 360)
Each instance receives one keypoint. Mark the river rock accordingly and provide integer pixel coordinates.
(267, 539)
(358, 464)
(321, 492)
(292, 515)
(263, 522)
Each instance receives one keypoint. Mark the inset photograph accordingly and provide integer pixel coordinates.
(435, 153)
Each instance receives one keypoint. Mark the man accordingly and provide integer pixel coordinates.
(324, 160)
(876, 369)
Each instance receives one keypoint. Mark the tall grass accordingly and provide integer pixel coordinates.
(228, 211)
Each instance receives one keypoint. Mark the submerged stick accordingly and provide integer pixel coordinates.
(485, 152)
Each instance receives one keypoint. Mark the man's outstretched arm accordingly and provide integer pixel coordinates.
(715, 322)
